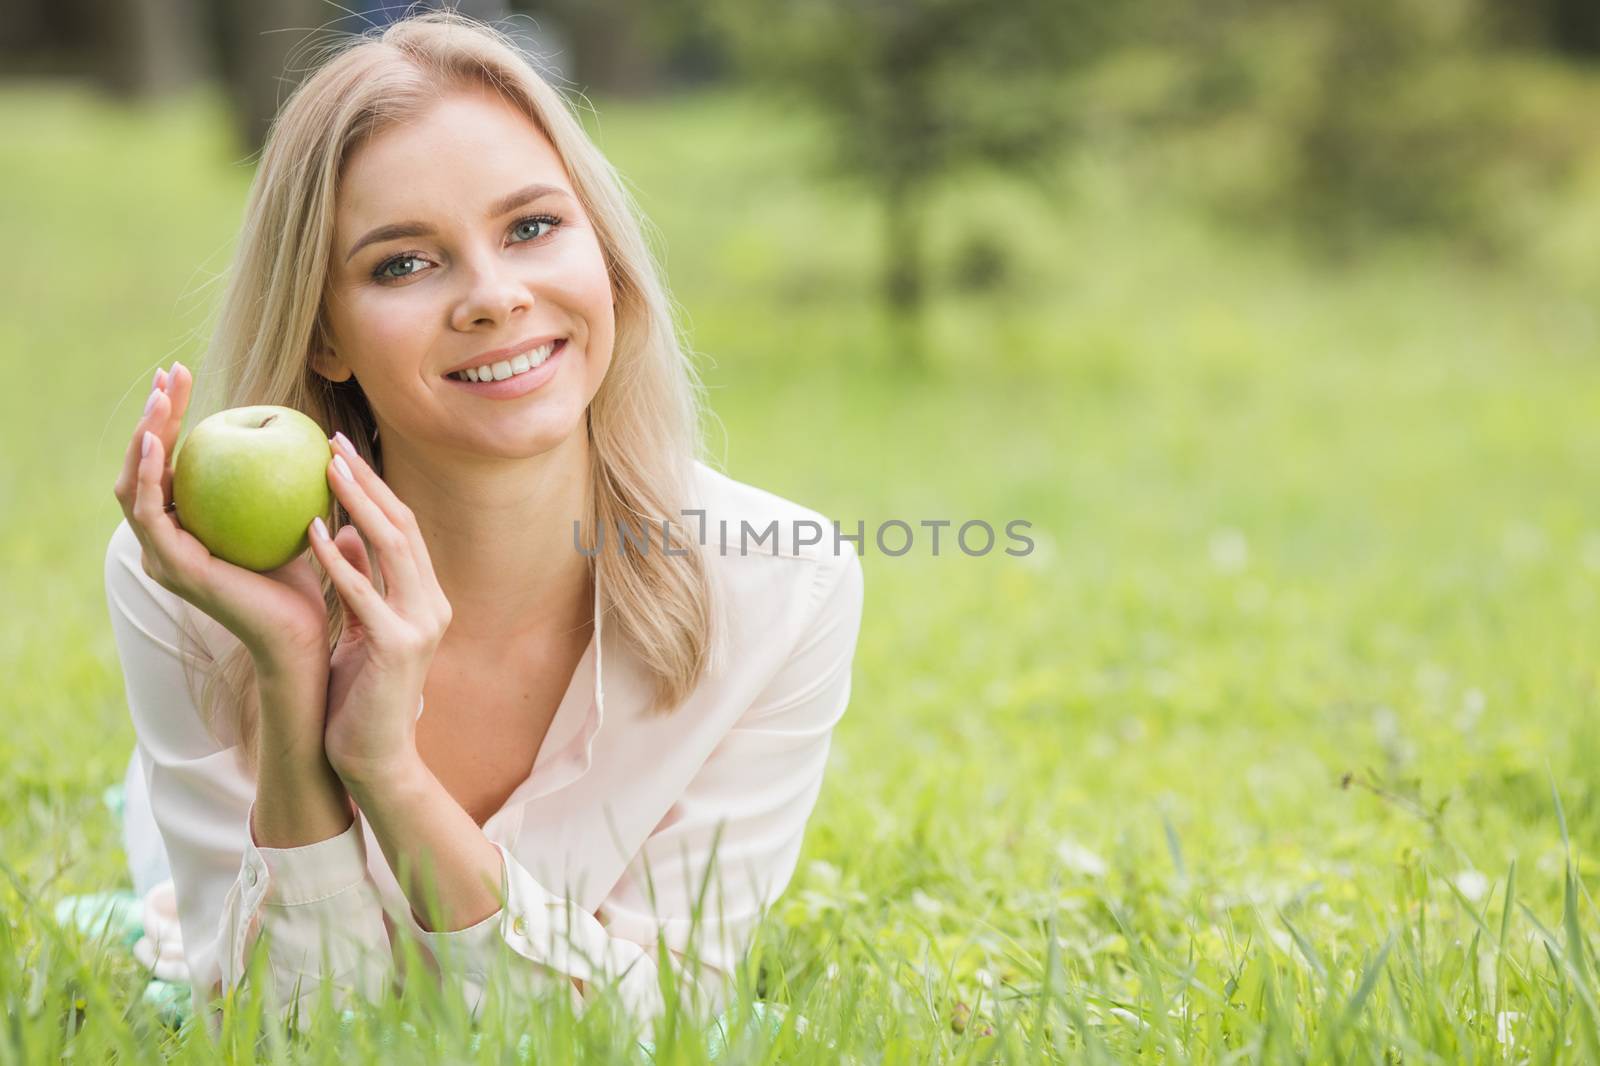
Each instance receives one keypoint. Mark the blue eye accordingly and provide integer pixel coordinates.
(550, 220)
(383, 275)
(383, 271)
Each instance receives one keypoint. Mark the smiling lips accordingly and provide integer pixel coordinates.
(514, 383)
(505, 368)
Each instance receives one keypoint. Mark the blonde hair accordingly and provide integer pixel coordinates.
(644, 421)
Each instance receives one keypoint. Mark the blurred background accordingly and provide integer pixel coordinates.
(1277, 319)
(1351, 122)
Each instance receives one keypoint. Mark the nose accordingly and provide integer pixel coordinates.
(494, 293)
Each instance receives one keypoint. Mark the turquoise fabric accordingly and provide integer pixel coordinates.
(118, 917)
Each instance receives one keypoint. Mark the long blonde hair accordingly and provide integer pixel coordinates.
(643, 423)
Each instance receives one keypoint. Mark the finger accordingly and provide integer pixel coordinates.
(393, 506)
(178, 386)
(154, 525)
(350, 545)
(158, 421)
(128, 477)
(369, 480)
(395, 560)
(360, 597)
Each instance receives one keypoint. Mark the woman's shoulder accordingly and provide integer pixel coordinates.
(734, 519)
(776, 558)
(794, 602)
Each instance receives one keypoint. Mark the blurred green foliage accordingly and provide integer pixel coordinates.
(1393, 118)
(1351, 123)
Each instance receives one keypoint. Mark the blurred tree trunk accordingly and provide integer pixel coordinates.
(260, 40)
(611, 47)
(150, 47)
(904, 280)
(1566, 27)
(269, 48)
(55, 38)
(1573, 26)
(916, 92)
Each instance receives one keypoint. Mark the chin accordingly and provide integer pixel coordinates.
(539, 439)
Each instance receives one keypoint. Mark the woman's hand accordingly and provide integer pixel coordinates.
(383, 655)
(279, 615)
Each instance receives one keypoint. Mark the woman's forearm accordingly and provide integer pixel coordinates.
(299, 798)
(433, 844)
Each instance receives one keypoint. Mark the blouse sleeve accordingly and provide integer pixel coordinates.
(317, 904)
(750, 802)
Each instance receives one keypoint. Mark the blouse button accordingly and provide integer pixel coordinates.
(519, 925)
(250, 876)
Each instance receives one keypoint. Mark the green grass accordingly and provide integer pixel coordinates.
(1293, 524)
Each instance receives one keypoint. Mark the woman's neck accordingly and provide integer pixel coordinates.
(500, 537)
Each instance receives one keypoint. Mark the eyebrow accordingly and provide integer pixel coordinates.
(396, 230)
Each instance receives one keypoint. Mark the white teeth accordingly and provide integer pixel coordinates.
(508, 368)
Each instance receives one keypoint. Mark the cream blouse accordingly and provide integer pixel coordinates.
(617, 800)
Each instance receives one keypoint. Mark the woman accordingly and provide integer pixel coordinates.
(455, 717)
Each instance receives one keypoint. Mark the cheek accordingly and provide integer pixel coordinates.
(382, 326)
(585, 287)
(600, 347)
(586, 280)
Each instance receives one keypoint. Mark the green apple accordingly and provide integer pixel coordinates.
(249, 480)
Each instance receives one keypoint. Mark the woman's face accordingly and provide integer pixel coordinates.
(446, 251)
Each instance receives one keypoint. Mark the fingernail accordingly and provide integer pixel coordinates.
(160, 379)
(343, 467)
(151, 402)
(343, 441)
(318, 528)
(144, 448)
